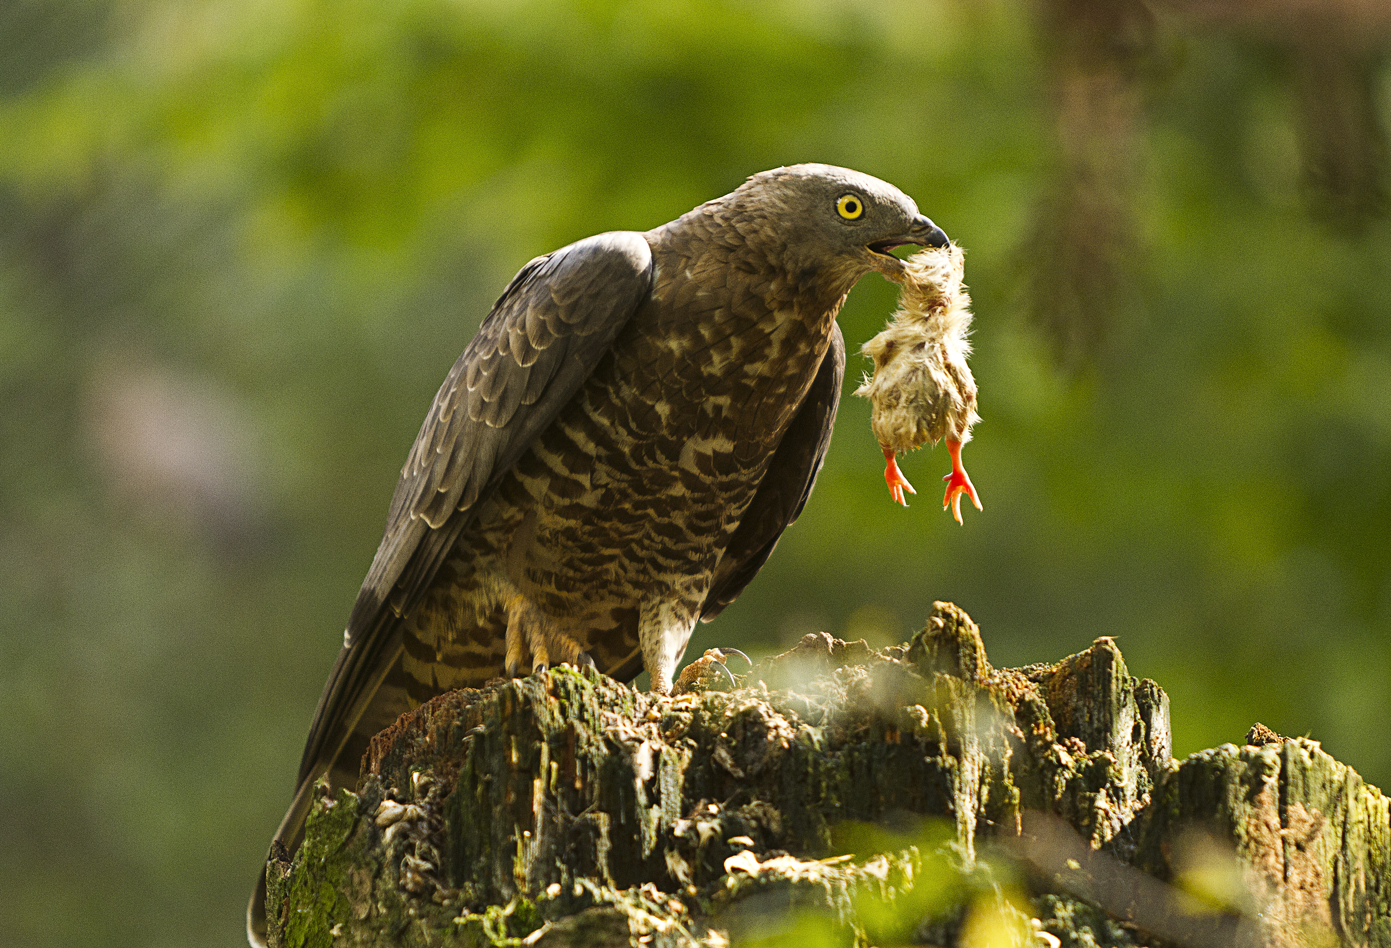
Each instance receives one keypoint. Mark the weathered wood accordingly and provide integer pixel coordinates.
(912, 794)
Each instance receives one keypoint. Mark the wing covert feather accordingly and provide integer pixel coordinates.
(569, 306)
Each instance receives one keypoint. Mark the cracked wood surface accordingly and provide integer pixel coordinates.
(897, 795)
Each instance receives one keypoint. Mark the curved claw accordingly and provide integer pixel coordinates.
(698, 675)
(894, 478)
(958, 483)
(719, 668)
(726, 652)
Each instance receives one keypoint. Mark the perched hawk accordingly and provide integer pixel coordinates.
(614, 455)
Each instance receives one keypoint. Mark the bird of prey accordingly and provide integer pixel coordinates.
(613, 457)
(922, 389)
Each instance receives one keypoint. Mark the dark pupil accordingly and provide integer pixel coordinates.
(851, 207)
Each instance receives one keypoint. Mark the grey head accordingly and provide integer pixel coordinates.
(832, 220)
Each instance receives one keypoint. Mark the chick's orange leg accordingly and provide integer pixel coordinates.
(895, 479)
(958, 483)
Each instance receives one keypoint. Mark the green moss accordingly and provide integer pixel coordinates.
(1080, 924)
(328, 871)
(497, 926)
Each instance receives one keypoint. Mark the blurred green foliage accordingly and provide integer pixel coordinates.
(241, 244)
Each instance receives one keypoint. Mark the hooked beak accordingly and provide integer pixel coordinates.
(928, 234)
(923, 233)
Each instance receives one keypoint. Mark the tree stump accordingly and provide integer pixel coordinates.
(841, 795)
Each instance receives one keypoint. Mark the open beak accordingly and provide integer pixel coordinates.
(923, 233)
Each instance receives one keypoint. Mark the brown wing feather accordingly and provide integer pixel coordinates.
(542, 339)
(500, 394)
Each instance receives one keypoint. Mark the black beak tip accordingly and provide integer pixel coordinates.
(931, 234)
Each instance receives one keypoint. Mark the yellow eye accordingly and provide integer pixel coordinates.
(849, 206)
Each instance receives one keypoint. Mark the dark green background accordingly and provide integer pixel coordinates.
(242, 242)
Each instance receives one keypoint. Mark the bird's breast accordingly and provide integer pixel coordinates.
(723, 355)
(639, 482)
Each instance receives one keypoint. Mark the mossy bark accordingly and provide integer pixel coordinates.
(840, 795)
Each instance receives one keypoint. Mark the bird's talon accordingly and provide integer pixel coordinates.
(726, 652)
(709, 672)
(719, 668)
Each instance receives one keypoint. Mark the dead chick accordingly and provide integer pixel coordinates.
(922, 389)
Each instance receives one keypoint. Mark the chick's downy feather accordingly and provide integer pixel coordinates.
(922, 389)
